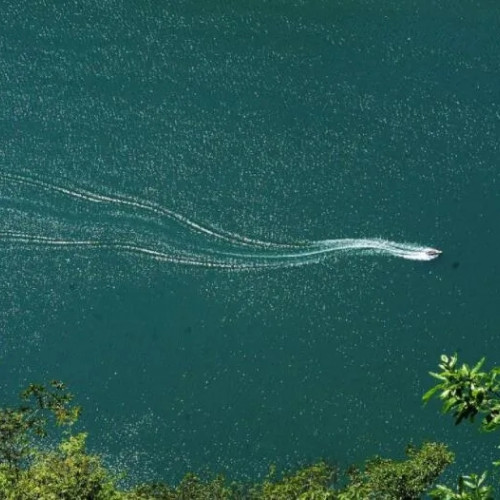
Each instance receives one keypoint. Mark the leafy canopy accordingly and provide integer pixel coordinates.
(467, 392)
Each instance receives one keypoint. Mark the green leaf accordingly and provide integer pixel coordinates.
(431, 392)
(438, 376)
(449, 404)
(478, 365)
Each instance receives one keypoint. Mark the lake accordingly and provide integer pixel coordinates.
(172, 175)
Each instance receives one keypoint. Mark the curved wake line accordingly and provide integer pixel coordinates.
(240, 252)
(233, 260)
(153, 208)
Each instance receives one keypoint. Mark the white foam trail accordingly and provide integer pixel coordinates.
(142, 205)
(317, 252)
(407, 251)
(323, 248)
(41, 241)
(240, 252)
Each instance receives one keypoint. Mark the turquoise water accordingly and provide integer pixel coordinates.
(278, 126)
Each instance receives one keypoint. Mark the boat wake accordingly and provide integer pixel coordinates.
(134, 226)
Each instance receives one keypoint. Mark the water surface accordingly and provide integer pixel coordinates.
(282, 122)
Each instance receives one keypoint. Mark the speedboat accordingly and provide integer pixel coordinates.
(433, 252)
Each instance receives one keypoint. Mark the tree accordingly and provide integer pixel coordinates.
(20, 424)
(399, 480)
(467, 393)
(30, 470)
(66, 473)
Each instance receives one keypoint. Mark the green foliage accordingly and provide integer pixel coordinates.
(380, 479)
(399, 480)
(56, 399)
(469, 488)
(30, 471)
(310, 483)
(190, 488)
(19, 425)
(467, 392)
(65, 473)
